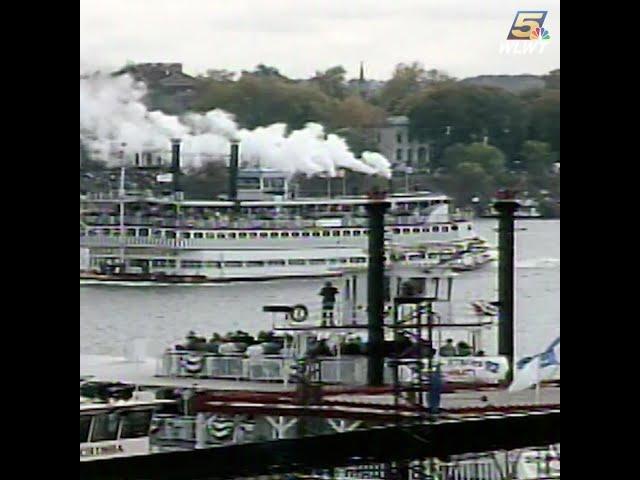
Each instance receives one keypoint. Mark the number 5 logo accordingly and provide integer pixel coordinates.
(525, 23)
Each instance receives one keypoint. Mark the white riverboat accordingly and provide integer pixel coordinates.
(266, 234)
(466, 347)
(117, 428)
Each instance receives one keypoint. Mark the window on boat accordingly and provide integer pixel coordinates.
(170, 234)
(92, 233)
(317, 261)
(305, 234)
(436, 229)
(233, 264)
(157, 233)
(357, 233)
(212, 264)
(396, 231)
(336, 233)
(143, 232)
(186, 235)
(85, 425)
(346, 233)
(198, 235)
(426, 229)
(284, 234)
(220, 236)
(131, 232)
(253, 235)
(276, 263)
(433, 255)
(171, 263)
(135, 424)
(242, 235)
(445, 229)
(209, 235)
(232, 235)
(343, 260)
(274, 235)
(316, 234)
(295, 234)
(105, 427)
(358, 260)
(297, 262)
(454, 228)
(469, 227)
(115, 233)
(255, 264)
(416, 230)
(264, 234)
(191, 264)
(326, 233)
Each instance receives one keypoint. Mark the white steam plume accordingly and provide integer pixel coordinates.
(112, 113)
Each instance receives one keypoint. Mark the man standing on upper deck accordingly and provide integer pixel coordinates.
(328, 294)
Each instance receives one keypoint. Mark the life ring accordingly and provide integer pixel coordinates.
(220, 428)
(299, 313)
(193, 364)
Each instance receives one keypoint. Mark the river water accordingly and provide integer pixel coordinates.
(111, 316)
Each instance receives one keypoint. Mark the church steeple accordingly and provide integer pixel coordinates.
(361, 72)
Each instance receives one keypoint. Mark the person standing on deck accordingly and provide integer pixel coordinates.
(328, 294)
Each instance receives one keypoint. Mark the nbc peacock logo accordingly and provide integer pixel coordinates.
(539, 33)
(527, 27)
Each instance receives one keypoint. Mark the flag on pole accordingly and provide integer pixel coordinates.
(534, 369)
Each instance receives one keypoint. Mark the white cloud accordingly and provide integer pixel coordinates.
(460, 36)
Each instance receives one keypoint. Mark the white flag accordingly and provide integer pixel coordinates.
(531, 371)
(526, 376)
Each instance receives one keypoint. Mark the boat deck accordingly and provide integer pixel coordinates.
(114, 369)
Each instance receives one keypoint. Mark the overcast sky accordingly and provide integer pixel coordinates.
(462, 37)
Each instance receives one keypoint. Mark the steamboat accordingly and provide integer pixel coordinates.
(261, 231)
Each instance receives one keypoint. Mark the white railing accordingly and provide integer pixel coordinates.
(348, 370)
(173, 364)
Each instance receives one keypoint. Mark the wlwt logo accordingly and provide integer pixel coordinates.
(528, 28)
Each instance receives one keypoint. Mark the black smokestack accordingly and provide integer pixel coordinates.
(175, 163)
(233, 172)
(507, 206)
(376, 208)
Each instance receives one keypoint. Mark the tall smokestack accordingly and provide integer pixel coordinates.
(234, 162)
(376, 209)
(506, 205)
(175, 163)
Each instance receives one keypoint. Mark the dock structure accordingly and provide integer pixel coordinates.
(359, 447)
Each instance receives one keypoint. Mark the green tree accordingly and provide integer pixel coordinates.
(356, 112)
(449, 113)
(332, 82)
(488, 157)
(544, 113)
(469, 180)
(261, 101)
(407, 80)
(537, 158)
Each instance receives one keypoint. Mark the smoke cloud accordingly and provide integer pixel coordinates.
(112, 114)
